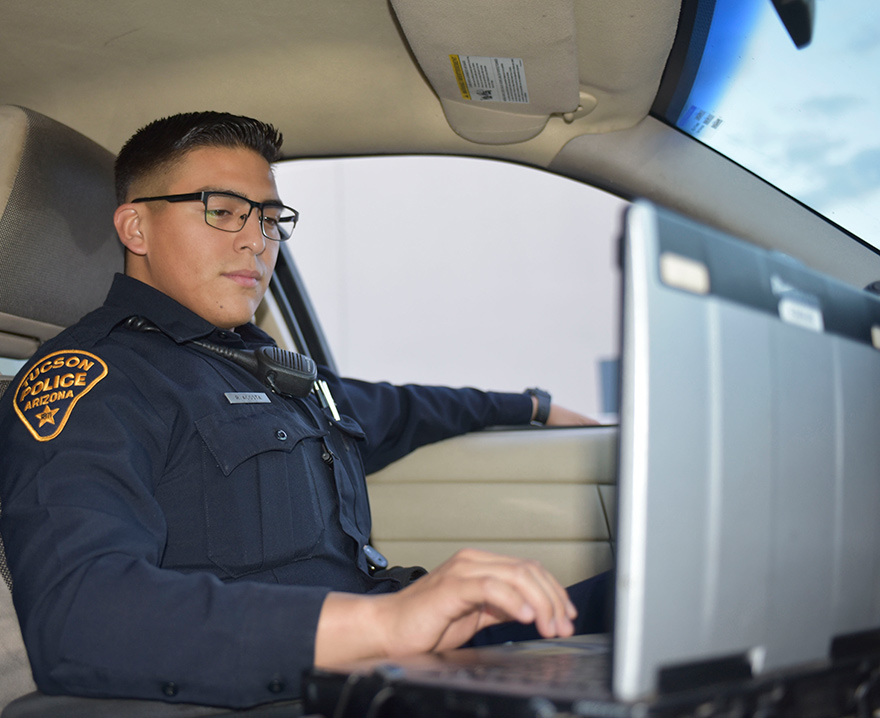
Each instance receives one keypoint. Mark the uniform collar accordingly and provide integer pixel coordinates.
(131, 297)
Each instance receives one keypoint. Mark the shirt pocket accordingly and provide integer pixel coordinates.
(260, 470)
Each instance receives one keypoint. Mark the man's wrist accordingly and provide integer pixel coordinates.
(541, 401)
(350, 628)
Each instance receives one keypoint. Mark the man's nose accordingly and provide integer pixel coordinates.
(251, 235)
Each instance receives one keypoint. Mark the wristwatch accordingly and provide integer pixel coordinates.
(543, 412)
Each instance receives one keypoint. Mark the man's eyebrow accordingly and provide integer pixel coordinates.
(214, 188)
(217, 188)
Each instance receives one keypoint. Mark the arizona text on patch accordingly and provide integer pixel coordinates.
(46, 395)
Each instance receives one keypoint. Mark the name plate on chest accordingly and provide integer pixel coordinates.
(247, 397)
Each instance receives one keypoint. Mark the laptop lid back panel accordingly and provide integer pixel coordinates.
(748, 536)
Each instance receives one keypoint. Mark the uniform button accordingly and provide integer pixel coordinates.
(170, 689)
(276, 686)
(281, 435)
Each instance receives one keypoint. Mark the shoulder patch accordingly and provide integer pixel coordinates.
(46, 395)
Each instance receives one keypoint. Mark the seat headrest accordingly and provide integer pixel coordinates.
(58, 246)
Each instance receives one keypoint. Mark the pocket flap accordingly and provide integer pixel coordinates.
(349, 426)
(242, 432)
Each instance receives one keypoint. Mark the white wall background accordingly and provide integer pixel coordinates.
(460, 272)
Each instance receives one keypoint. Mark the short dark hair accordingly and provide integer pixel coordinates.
(167, 140)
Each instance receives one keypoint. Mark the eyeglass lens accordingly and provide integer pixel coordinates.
(229, 213)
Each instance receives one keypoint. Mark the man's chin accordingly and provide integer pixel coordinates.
(230, 321)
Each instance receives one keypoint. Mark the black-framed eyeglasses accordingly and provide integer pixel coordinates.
(229, 212)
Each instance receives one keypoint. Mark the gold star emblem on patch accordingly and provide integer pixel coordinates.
(47, 416)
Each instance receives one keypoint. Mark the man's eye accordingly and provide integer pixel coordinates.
(219, 213)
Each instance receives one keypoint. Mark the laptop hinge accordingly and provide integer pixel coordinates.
(849, 646)
(699, 674)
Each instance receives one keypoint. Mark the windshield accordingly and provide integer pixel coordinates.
(804, 120)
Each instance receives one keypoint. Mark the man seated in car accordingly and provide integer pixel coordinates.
(178, 531)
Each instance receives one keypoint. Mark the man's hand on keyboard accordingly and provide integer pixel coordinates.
(443, 609)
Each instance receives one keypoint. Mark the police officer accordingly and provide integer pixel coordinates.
(176, 529)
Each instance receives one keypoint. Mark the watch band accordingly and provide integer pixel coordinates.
(543, 412)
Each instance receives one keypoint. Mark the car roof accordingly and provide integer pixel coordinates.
(342, 78)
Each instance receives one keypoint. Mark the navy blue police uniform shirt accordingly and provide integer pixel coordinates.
(172, 527)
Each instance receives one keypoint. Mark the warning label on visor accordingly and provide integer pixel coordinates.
(490, 79)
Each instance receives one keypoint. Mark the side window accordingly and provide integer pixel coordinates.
(463, 272)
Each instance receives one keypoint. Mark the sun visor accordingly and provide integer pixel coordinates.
(499, 67)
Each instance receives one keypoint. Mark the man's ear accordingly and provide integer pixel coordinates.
(127, 220)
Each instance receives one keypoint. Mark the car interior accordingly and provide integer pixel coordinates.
(349, 79)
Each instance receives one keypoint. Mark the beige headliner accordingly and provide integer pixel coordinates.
(336, 76)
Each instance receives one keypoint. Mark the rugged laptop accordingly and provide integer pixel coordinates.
(748, 533)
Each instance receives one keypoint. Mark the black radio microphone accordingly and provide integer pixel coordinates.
(284, 372)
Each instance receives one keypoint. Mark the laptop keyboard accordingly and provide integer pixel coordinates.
(577, 670)
(560, 671)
